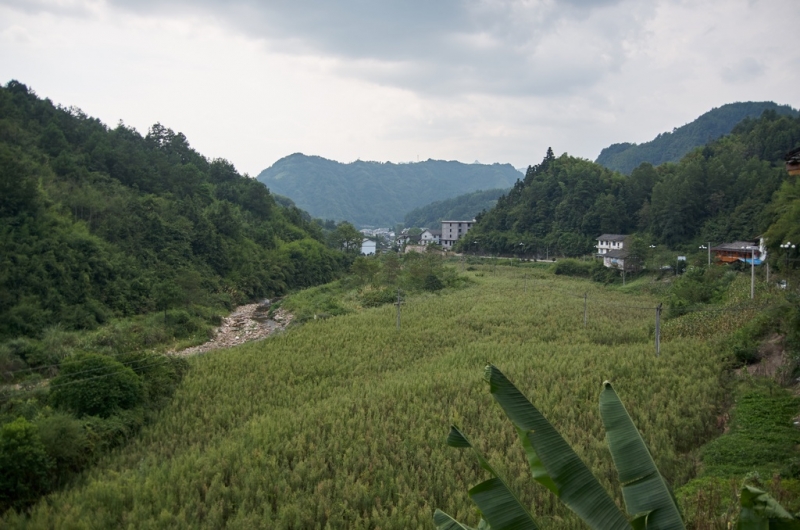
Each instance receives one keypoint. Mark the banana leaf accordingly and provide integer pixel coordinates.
(760, 511)
(445, 522)
(497, 503)
(646, 494)
(553, 462)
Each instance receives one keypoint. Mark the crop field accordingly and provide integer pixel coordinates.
(340, 423)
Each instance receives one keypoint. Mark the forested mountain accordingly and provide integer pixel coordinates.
(462, 207)
(721, 192)
(97, 222)
(375, 193)
(672, 146)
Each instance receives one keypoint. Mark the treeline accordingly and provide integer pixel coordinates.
(672, 146)
(462, 207)
(98, 222)
(733, 188)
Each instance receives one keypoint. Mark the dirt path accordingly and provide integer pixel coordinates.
(246, 324)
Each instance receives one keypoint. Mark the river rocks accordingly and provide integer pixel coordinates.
(245, 324)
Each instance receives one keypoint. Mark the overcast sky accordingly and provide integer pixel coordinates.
(401, 80)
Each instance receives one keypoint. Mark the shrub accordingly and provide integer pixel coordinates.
(96, 385)
(432, 283)
(65, 441)
(160, 374)
(573, 267)
(24, 464)
(378, 297)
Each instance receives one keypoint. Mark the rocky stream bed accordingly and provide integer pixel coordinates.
(246, 323)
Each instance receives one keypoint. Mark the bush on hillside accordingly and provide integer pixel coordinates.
(96, 385)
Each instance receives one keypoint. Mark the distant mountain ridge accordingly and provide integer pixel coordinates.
(672, 146)
(377, 193)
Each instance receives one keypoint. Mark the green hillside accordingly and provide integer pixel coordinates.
(723, 192)
(375, 193)
(341, 423)
(97, 223)
(672, 146)
(462, 207)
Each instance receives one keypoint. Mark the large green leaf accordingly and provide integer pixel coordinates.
(445, 522)
(553, 462)
(643, 487)
(498, 505)
(760, 511)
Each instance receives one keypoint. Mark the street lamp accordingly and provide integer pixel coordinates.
(704, 247)
(787, 247)
(752, 270)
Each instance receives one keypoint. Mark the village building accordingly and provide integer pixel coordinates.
(430, 237)
(743, 251)
(611, 247)
(452, 231)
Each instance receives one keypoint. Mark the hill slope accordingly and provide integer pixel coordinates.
(722, 192)
(98, 222)
(462, 207)
(672, 146)
(375, 193)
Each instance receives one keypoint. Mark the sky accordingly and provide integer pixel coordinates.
(402, 80)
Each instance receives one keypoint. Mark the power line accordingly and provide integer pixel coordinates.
(14, 393)
(62, 364)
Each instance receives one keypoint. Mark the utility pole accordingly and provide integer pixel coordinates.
(584, 308)
(658, 330)
(398, 304)
(752, 273)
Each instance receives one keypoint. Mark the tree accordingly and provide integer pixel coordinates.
(96, 385)
(347, 238)
(24, 464)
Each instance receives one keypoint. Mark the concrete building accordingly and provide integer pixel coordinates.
(452, 231)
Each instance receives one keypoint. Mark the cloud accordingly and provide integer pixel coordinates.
(744, 69)
(444, 47)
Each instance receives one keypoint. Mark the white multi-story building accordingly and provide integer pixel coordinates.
(608, 242)
(611, 247)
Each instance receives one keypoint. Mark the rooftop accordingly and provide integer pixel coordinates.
(612, 237)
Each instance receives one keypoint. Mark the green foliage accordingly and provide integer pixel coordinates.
(698, 285)
(715, 194)
(99, 223)
(378, 297)
(672, 146)
(555, 465)
(338, 422)
(462, 207)
(96, 385)
(761, 436)
(66, 442)
(574, 268)
(374, 193)
(24, 464)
